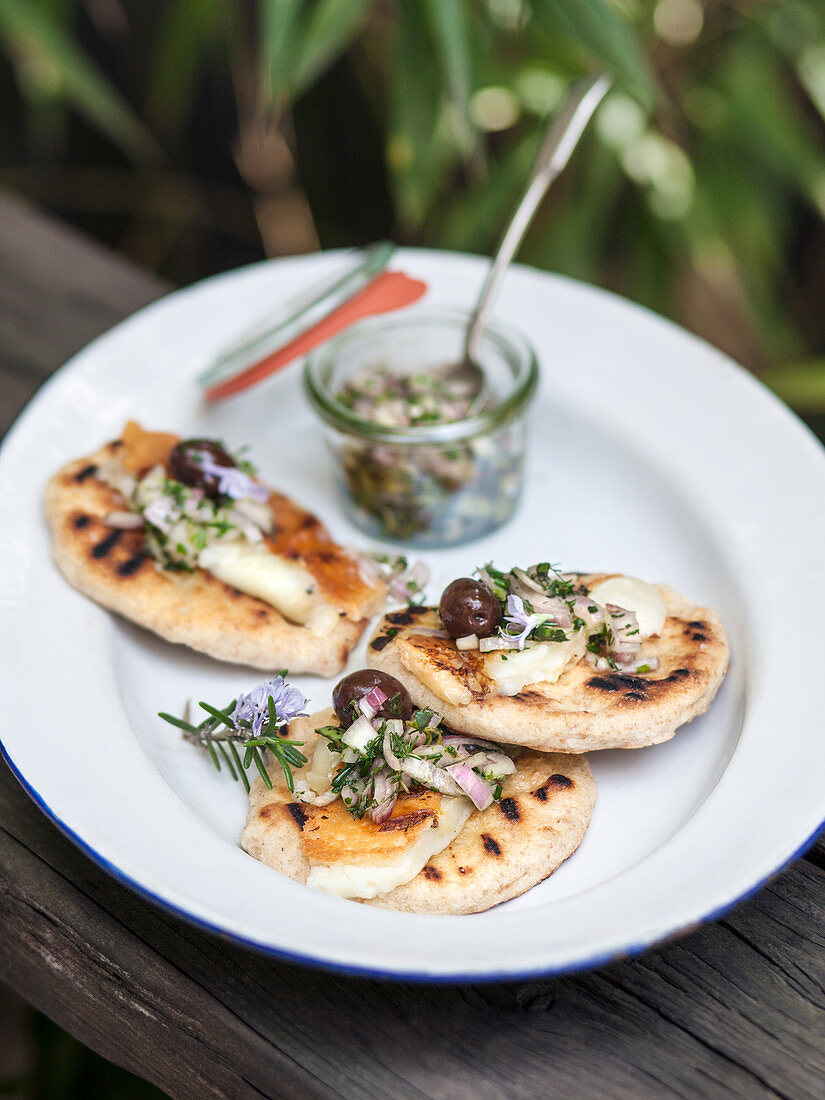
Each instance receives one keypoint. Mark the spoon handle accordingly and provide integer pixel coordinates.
(558, 144)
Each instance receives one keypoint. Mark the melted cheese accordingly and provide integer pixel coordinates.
(542, 663)
(644, 600)
(285, 584)
(443, 682)
(383, 871)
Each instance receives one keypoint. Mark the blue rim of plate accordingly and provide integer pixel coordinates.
(677, 927)
(415, 978)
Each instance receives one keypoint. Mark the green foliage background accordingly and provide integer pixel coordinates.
(699, 192)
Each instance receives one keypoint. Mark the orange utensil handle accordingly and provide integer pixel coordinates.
(388, 291)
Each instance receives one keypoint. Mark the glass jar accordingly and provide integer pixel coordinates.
(434, 484)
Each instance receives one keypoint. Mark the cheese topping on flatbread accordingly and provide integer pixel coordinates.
(111, 565)
(435, 853)
(354, 858)
(299, 568)
(351, 856)
(577, 711)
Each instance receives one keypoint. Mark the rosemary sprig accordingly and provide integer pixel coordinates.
(222, 736)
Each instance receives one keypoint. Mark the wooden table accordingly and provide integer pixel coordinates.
(737, 1007)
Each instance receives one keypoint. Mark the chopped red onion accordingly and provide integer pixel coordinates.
(384, 794)
(475, 761)
(371, 703)
(410, 582)
(422, 771)
(543, 604)
(367, 568)
(591, 619)
(359, 735)
(649, 664)
(496, 641)
(499, 764)
(366, 710)
(303, 793)
(474, 787)
(464, 739)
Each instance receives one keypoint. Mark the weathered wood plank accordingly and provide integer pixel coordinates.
(74, 962)
(683, 1020)
(58, 290)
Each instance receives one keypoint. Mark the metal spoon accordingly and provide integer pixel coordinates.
(560, 141)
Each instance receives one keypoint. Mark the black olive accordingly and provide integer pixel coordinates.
(467, 607)
(358, 684)
(184, 464)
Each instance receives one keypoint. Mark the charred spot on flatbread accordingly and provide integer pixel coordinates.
(491, 845)
(131, 565)
(109, 542)
(555, 782)
(407, 616)
(298, 814)
(509, 807)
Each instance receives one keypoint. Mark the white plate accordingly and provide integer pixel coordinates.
(651, 454)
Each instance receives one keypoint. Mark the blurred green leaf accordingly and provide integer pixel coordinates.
(53, 62)
(279, 27)
(330, 29)
(739, 205)
(574, 225)
(606, 37)
(188, 28)
(801, 385)
(417, 155)
(791, 25)
(766, 122)
(448, 24)
(474, 220)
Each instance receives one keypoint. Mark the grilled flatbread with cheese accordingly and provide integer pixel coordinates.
(583, 709)
(435, 853)
(111, 565)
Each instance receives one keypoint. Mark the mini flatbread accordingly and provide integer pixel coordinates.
(499, 853)
(584, 709)
(195, 609)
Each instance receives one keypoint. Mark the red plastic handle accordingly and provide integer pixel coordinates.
(388, 291)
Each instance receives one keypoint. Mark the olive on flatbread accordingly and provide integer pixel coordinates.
(584, 709)
(111, 565)
(499, 852)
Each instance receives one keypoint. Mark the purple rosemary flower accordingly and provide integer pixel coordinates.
(517, 617)
(254, 707)
(232, 482)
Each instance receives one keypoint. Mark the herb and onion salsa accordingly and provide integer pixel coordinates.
(437, 495)
(418, 461)
(383, 746)
(380, 395)
(202, 496)
(522, 608)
